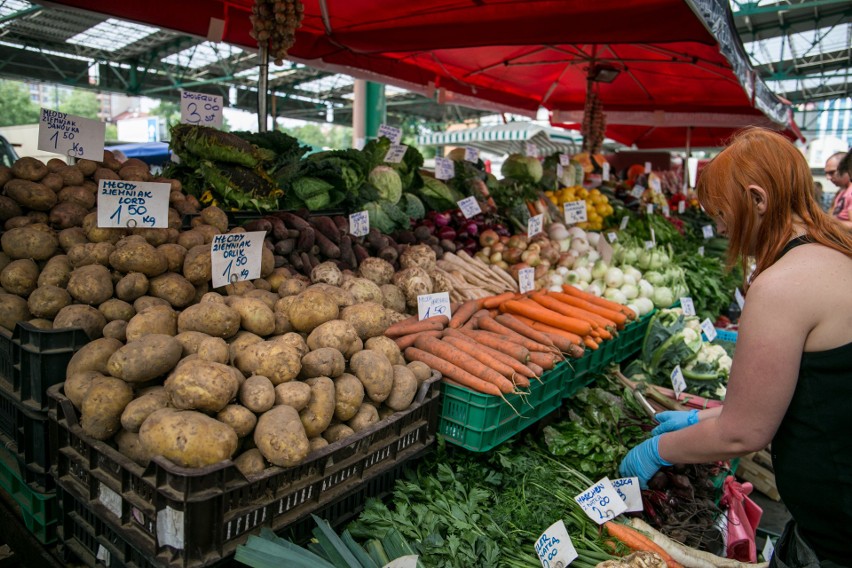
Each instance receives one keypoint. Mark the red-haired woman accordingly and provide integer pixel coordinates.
(791, 381)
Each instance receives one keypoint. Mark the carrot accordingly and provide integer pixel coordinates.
(638, 541)
(590, 343)
(615, 318)
(535, 369)
(451, 371)
(521, 328)
(435, 323)
(464, 312)
(494, 341)
(489, 324)
(464, 361)
(541, 314)
(551, 331)
(602, 302)
(519, 367)
(552, 302)
(475, 350)
(408, 340)
(495, 301)
(544, 360)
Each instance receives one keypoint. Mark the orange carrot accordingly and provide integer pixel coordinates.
(489, 324)
(477, 352)
(408, 340)
(464, 312)
(451, 371)
(494, 341)
(464, 361)
(521, 328)
(495, 301)
(551, 301)
(550, 330)
(519, 367)
(638, 541)
(612, 316)
(602, 302)
(535, 369)
(544, 360)
(405, 327)
(590, 343)
(541, 314)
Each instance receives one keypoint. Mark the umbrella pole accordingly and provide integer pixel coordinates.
(262, 87)
(686, 159)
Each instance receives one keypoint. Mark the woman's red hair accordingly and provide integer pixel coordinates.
(761, 157)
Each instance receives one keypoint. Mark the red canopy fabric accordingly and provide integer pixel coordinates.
(515, 55)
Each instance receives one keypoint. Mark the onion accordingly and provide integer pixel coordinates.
(577, 232)
(579, 244)
(558, 232)
(593, 238)
(614, 277)
(448, 233)
(489, 238)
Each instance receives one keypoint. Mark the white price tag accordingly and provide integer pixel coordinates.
(110, 499)
(133, 204)
(605, 173)
(678, 382)
(649, 208)
(444, 168)
(649, 244)
(471, 154)
(430, 305)
(681, 207)
(612, 237)
(535, 224)
(395, 154)
(768, 550)
(601, 502)
(532, 149)
(69, 135)
(235, 257)
(629, 490)
(667, 212)
(575, 212)
(526, 280)
(170, 528)
(359, 224)
(637, 192)
(623, 224)
(647, 167)
(554, 547)
(200, 109)
(708, 329)
(653, 236)
(700, 251)
(470, 207)
(564, 160)
(560, 170)
(687, 306)
(656, 186)
(740, 298)
(708, 231)
(103, 555)
(692, 168)
(403, 562)
(605, 249)
(391, 133)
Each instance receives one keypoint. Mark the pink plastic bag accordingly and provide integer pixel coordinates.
(743, 520)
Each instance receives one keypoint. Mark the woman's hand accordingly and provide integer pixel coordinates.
(643, 461)
(673, 420)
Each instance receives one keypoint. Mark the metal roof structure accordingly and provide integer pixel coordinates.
(508, 138)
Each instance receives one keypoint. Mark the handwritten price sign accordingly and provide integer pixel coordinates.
(708, 329)
(471, 155)
(429, 305)
(526, 280)
(575, 212)
(601, 502)
(535, 224)
(444, 168)
(359, 224)
(201, 109)
(395, 154)
(69, 135)
(687, 306)
(133, 204)
(708, 231)
(678, 382)
(469, 207)
(554, 547)
(391, 133)
(628, 489)
(236, 256)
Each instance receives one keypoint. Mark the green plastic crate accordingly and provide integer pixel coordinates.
(39, 510)
(479, 422)
(630, 338)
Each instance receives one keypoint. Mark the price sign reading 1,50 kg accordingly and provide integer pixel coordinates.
(133, 204)
(236, 256)
(69, 135)
(430, 305)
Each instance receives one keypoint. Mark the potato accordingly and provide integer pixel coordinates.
(337, 334)
(103, 404)
(375, 372)
(387, 347)
(31, 195)
(161, 320)
(143, 303)
(342, 297)
(105, 173)
(76, 194)
(421, 370)
(86, 317)
(77, 385)
(131, 446)
(115, 309)
(404, 388)
(337, 432)
(323, 362)
(52, 181)
(255, 315)
(56, 164)
(8, 208)
(280, 436)
(142, 407)
(87, 167)
(71, 175)
(188, 438)
(56, 272)
(139, 257)
(216, 217)
(116, 330)
(46, 301)
(238, 288)
(348, 396)
(262, 285)
(12, 310)
(93, 356)
(97, 234)
(202, 385)
(84, 254)
(41, 323)
(295, 341)
(238, 417)
(65, 215)
(132, 286)
(250, 462)
(366, 416)
(239, 341)
(310, 309)
(175, 255)
(278, 276)
(317, 415)
(19, 277)
(197, 267)
(190, 239)
(369, 319)
(190, 340)
(217, 320)
(70, 237)
(145, 358)
(174, 288)
(282, 323)
(268, 298)
(30, 169)
(29, 242)
(294, 393)
(393, 298)
(273, 359)
(317, 443)
(91, 284)
(257, 394)
(214, 349)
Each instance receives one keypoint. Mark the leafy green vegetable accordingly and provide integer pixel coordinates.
(387, 183)
(412, 206)
(214, 145)
(408, 169)
(522, 168)
(438, 195)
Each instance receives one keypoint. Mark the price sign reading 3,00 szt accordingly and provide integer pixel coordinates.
(236, 257)
(554, 547)
(359, 224)
(69, 135)
(601, 502)
(430, 305)
(470, 207)
(133, 204)
(201, 109)
(526, 280)
(575, 212)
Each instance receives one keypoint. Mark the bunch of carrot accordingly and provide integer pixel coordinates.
(496, 345)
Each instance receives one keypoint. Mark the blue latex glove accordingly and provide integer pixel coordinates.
(643, 461)
(673, 420)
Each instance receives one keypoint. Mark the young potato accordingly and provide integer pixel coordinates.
(241, 340)
(337, 432)
(145, 358)
(273, 359)
(255, 315)
(295, 341)
(103, 404)
(116, 330)
(30, 194)
(216, 217)
(41, 323)
(115, 309)
(217, 320)
(131, 446)
(29, 242)
(190, 340)
(404, 388)
(152, 320)
(337, 334)
(369, 319)
(132, 287)
(84, 254)
(292, 287)
(238, 417)
(20, 277)
(280, 436)
(257, 394)
(86, 317)
(317, 443)
(173, 288)
(349, 395)
(310, 309)
(214, 349)
(202, 385)
(93, 356)
(320, 410)
(91, 284)
(143, 406)
(46, 301)
(56, 272)
(294, 393)
(250, 462)
(188, 438)
(387, 347)
(31, 169)
(375, 372)
(421, 370)
(13, 309)
(366, 416)
(77, 385)
(197, 267)
(265, 296)
(139, 257)
(323, 362)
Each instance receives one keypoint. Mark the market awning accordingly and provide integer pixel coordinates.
(507, 138)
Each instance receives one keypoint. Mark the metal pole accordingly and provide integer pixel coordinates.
(686, 158)
(262, 89)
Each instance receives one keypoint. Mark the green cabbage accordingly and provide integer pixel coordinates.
(522, 168)
(438, 196)
(387, 182)
(412, 206)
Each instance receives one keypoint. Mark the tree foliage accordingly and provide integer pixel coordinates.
(15, 105)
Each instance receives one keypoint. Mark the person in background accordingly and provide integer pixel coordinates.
(841, 208)
(818, 192)
(791, 380)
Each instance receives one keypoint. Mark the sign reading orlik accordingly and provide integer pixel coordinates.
(236, 256)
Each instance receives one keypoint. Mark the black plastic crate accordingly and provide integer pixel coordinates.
(188, 518)
(24, 432)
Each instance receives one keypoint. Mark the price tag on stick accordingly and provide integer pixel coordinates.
(469, 207)
(708, 231)
(687, 306)
(629, 490)
(235, 257)
(535, 224)
(554, 547)
(395, 154)
(444, 168)
(637, 192)
(647, 167)
(678, 382)
(575, 212)
(564, 160)
(605, 249)
(133, 204)
(526, 280)
(740, 298)
(700, 251)
(649, 208)
(391, 133)
(601, 502)
(623, 224)
(359, 224)
(605, 172)
(201, 109)
(681, 207)
(612, 237)
(768, 550)
(429, 305)
(653, 237)
(471, 154)
(69, 135)
(708, 329)
(666, 211)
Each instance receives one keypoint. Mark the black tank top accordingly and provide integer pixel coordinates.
(812, 450)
